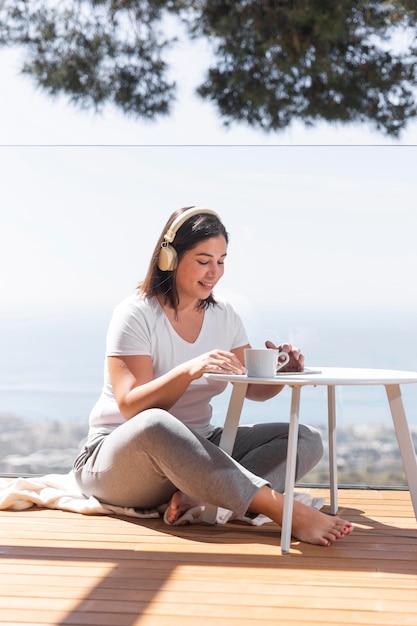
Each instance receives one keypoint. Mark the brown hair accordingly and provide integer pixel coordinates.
(163, 283)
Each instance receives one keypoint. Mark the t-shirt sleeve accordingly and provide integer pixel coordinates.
(234, 322)
(129, 332)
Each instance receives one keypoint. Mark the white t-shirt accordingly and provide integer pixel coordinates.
(139, 326)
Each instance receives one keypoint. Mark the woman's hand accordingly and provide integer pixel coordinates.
(136, 389)
(214, 362)
(296, 362)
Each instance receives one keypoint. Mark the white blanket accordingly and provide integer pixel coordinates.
(60, 491)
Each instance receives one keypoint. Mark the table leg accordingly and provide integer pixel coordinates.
(290, 471)
(227, 439)
(331, 405)
(404, 439)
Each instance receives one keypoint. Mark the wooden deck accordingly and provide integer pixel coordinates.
(65, 568)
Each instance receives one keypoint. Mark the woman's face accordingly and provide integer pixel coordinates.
(200, 269)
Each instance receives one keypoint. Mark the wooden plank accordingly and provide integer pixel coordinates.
(63, 568)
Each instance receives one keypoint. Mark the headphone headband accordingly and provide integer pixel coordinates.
(167, 259)
(179, 221)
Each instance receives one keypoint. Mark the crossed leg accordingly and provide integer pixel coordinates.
(308, 525)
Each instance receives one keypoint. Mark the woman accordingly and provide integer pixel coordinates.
(151, 440)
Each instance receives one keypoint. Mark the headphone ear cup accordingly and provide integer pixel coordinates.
(167, 260)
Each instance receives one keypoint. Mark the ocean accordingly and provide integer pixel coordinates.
(51, 367)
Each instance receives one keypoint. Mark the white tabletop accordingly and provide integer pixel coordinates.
(328, 376)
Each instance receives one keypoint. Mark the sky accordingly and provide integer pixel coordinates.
(323, 217)
(308, 224)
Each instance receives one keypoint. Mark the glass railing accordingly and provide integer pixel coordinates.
(366, 455)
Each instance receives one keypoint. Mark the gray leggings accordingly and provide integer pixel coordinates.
(145, 460)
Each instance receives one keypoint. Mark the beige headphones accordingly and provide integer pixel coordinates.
(167, 259)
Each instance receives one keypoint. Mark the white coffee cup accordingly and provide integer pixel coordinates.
(264, 363)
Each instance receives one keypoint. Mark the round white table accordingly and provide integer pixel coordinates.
(330, 377)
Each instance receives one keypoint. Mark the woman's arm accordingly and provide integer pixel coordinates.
(136, 389)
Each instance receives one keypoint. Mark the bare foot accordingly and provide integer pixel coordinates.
(315, 527)
(308, 524)
(180, 504)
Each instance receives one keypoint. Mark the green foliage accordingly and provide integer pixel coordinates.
(274, 61)
(312, 60)
(94, 51)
